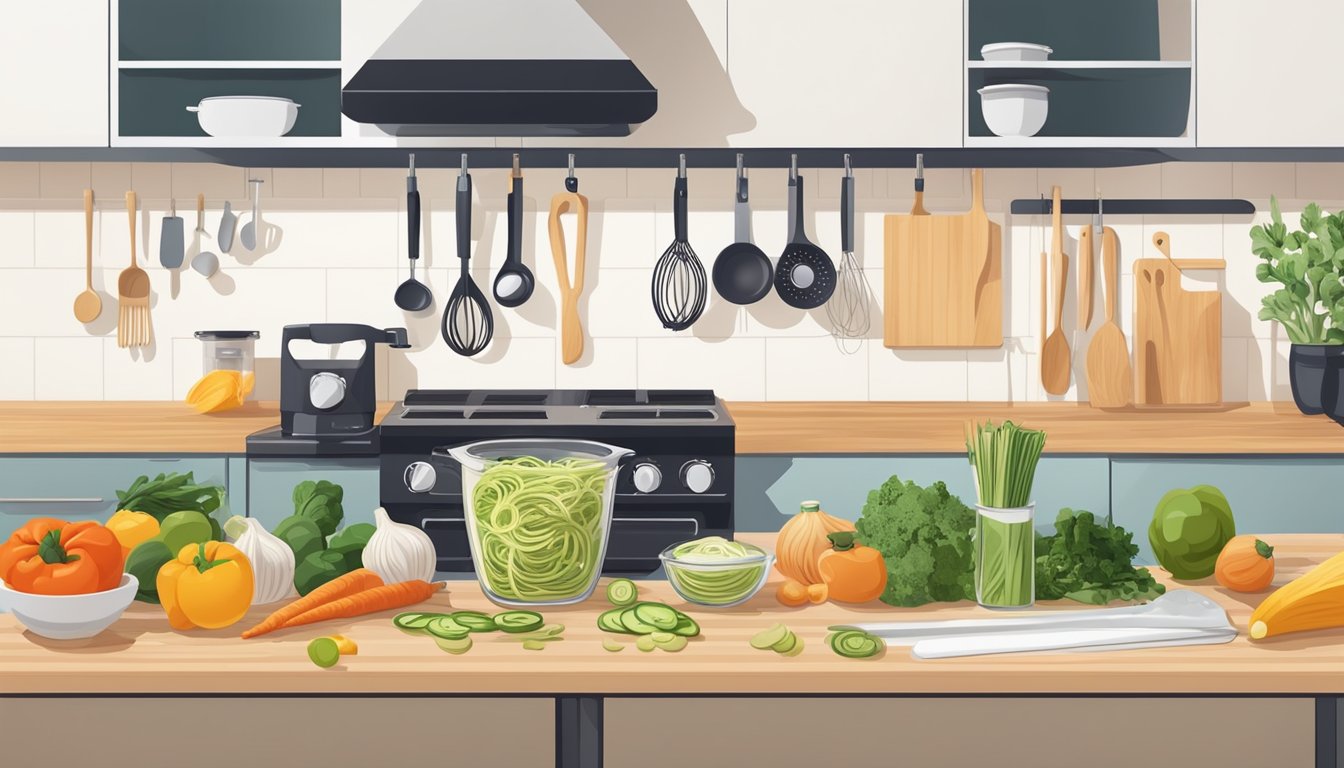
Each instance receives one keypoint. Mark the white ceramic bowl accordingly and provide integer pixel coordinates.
(1015, 110)
(246, 116)
(1015, 52)
(70, 617)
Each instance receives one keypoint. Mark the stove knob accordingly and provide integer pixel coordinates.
(647, 477)
(326, 390)
(697, 476)
(420, 477)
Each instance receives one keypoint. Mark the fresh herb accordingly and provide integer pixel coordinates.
(924, 535)
(320, 501)
(1004, 459)
(1307, 263)
(169, 493)
(1090, 562)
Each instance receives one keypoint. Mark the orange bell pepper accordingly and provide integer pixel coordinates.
(851, 572)
(54, 557)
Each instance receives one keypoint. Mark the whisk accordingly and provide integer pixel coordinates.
(679, 281)
(848, 308)
(468, 323)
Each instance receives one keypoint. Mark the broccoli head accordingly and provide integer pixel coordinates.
(924, 535)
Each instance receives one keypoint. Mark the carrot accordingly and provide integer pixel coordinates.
(355, 581)
(383, 598)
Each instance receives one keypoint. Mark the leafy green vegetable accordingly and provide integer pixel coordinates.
(1004, 458)
(924, 535)
(320, 501)
(168, 493)
(1189, 530)
(1090, 562)
(1307, 263)
(302, 535)
(144, 563)
(317, 569)
(350, 542)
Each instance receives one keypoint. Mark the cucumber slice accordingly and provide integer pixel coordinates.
(518, 621)
(446, 628)
(455, 646)
(413, 622)
(796, 649)
(324, 652)
(610, 621)
(474, 620)
(672, 643)
(633, 625)
(765, 640)
(661, 637)
(534, 645)
(611, 646)
(622, 593)
(645, 643)
(855, 644)
(686, 626)
(785, 645)
(657, 615)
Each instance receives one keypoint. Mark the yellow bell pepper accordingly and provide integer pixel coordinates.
(209, 585)
(132, 528)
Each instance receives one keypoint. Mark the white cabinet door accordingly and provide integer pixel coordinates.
(1268, 73)
(848, 73)
(55, 62)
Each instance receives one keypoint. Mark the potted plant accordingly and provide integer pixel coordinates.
(1309, 303)
(1003, 462)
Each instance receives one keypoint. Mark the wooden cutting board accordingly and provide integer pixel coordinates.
(943, 278)
(1178, 334)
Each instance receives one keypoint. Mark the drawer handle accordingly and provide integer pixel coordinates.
(53, 501)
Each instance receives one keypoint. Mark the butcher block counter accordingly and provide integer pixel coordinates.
(1298, 677)
(762, 428)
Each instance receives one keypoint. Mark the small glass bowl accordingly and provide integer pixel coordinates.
(744, 577)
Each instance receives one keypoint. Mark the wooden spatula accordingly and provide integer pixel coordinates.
(132, 295)
(1110, 377)
(571, 325)
(1055, 354)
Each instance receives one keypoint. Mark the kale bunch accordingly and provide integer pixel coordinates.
(1090, 562)
(924, 535)
(320, 501)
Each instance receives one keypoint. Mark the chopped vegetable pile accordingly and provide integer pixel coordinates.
(1090, 562)
(924, 535)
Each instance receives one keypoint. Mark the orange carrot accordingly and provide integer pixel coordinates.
(383, 598)
(351, 583)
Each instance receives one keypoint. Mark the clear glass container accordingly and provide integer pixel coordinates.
(538, 514)
(1005, 557)
(719, 583)
(228, 350)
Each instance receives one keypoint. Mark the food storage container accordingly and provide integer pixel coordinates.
(716, 581)
(538, 514)
(246, 116)
(1015, 52)
(1015, 109)
(229, 351)
(1005, 557)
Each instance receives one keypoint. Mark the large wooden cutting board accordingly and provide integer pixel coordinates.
(1178, 336)
(943, 278)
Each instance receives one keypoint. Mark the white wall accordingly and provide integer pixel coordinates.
(342, 247)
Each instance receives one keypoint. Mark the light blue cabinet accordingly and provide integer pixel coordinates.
(1288, 495)
(769, 488)
(84, 487)
(270, 486)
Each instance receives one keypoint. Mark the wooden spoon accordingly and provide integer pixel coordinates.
(88, 305)
(1110, 377)
(1055, 354)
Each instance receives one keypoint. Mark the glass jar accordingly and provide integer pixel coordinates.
(230, 351)
(1005, 557)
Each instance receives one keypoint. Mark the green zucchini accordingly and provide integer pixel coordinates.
(855, 644)
(474, 620)
(645, 643)
(670, 643)
(518, 621)
(446, 628)
(633, 625)
(622, 593)
(657, 615)
(611, 646)
(766, 640)
(610, 621)
(686, 626)
(455, 646)
(413, 622)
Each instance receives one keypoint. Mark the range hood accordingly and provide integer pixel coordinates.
(499, 68)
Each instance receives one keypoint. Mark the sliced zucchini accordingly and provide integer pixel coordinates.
(765, 640)
(474, 620)
(518, 621)
(455, 646)
(622, 593)
(657, 615)
(630, 620)
(534, 645)
(446, 628)
(796, 649)
(786, 644)
(686, 626)
(612, 646)
(610, 621)
(413, 622)
(855, 644)
(669, 643)
(645, 643)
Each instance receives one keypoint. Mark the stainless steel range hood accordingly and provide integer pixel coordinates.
(500, 68)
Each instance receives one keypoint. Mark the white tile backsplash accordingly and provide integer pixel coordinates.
(339, 251)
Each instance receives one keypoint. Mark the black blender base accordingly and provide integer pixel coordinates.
(274, 443)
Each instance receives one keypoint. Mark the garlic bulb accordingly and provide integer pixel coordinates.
(399, 552)
(272, 563)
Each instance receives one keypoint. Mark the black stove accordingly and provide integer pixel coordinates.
(677, 486)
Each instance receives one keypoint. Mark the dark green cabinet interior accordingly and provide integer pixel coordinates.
(1079, 30)
(153, 102)
(1097, 102)
(229, 30)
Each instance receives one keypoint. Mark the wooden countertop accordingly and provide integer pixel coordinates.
(140, 654)
(793, 428)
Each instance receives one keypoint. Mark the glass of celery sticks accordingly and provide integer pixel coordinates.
(1003, 461)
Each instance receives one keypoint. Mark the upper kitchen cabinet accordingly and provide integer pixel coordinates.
(55, 56)
(849, 73)
(1268, 73)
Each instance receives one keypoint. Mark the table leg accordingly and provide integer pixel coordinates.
(1328, 754)
(578, 732)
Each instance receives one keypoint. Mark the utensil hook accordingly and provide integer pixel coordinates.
(464, 164)
(681, 166)
(849, 172)
(793, 167)
(412, 164)
(572, 181)
(1100, 223)
(517, 166)
(741, 168)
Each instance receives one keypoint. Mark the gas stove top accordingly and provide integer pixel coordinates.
(678, 485)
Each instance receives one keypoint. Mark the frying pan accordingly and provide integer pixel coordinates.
(742, 272)
(804, 275)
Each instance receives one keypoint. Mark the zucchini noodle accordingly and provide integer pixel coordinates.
(539, 527)
(715, 571)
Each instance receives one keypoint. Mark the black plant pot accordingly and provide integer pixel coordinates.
(1314, 372)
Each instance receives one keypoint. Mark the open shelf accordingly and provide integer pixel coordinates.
(1077, 142)
(244, 64)
(1064, 64)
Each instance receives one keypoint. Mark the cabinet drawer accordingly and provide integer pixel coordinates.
(75, 488)
(270, 486)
